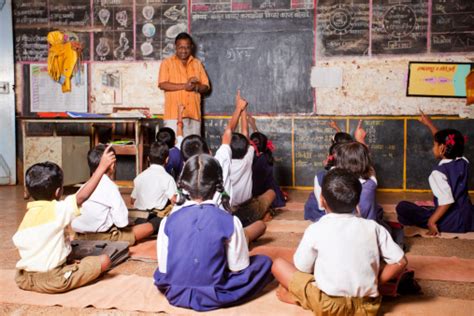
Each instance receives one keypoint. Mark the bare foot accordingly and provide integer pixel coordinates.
(285, 296)
(267, 217)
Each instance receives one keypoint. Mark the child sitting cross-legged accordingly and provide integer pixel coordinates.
(202, 249)
(337, 266)
(41, 240)
(104, 216)
(154, 190)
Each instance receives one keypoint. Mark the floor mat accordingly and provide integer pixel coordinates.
(442, 268)
(144, 251)
(411, 231)
(287, 226)
(134, 293)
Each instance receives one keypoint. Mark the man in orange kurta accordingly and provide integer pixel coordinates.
(183, 79)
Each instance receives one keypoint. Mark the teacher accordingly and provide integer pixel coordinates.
(183, 79)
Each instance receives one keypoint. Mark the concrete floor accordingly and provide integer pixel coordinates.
(14, 206)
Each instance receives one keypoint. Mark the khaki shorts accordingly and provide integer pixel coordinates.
(252, 210)
(308, 296)
(113, 234)
(61, 279)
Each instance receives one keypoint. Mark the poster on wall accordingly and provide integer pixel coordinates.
(433, 79)
(46, 94)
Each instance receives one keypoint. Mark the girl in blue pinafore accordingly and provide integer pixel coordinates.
(203, 255)
(453, 210)
(262, 170)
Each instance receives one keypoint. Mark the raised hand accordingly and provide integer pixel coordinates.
(360, 133)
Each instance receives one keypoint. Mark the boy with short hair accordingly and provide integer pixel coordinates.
(104, 216)
(337, 266)
(154, 189)
(174, 165)
(40, 238)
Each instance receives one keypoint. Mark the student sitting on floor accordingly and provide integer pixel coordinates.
(104, 216)
(203, 256)
(262, 167)
(195, 145)
(174, 165)
(453, 210)
(337, 264)
(41, 239)
(246, 208)
(154, 190)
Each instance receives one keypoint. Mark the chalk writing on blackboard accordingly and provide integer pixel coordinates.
(343, 29)
(157, 25)
(116, 41)
(399, 28)
(452, 26)
(31, 45)
(30, 12)
(69, 13)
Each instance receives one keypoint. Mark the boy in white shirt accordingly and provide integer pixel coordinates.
(246, 208)
(337, 266)
(154, 189)
(41, 240)
(104, 216)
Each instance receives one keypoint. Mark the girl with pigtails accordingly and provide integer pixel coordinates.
(203, 254)
(453, 210)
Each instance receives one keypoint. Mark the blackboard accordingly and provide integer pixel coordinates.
(420, 159)
(157, 24)
(31, 44)
(452, 26)
(342, 27)
(257, 52)
(399, 28)
(27, 12)
(74, 13)
(312, 139)
(116, 41)
(385, 140)
(278, 130)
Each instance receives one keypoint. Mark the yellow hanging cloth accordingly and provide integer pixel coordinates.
(470, 88)
(62, 59)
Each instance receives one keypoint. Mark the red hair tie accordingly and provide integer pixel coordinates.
(450, 141)
(270, 145)
(465, 139)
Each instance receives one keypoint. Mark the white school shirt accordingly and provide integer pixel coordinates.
(439, 184)
(40, 238)
(103, 209)
(237, 247)
(153, 188)
(241, 177)
(343, 252)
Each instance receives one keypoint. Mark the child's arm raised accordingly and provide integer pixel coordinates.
(425, 120)
(390, 271)
(252, 122)
(108, 158)
(240, 105)
(179, 123)
(245, 123)
(334, 126)
(360, 133)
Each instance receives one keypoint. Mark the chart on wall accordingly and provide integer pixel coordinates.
(46, 94)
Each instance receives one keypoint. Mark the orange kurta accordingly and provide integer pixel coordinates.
(172, 70)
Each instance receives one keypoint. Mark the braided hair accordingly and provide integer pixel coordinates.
(201, 178)
(453, 141)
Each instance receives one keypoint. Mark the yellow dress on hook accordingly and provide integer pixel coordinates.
(62, 59)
